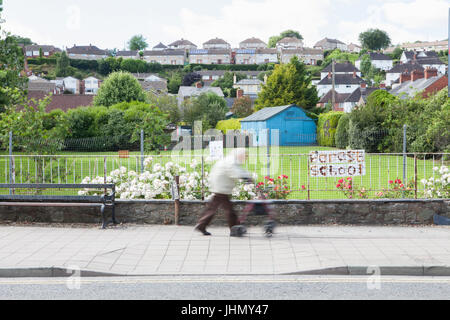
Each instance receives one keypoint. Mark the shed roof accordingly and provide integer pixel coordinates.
(267, 113)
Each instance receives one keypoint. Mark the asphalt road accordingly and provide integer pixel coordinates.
(228, 288)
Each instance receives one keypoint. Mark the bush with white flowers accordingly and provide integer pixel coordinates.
(439, 185)
(156, 183)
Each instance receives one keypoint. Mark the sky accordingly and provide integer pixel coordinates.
(110, 24)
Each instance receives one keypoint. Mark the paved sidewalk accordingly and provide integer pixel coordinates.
(171, 250)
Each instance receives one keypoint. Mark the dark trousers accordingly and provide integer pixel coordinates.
(218, 200)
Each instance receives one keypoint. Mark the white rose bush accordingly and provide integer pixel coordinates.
(439, 185)
(155, 183)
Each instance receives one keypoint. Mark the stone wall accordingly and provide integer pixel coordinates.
(359, 212)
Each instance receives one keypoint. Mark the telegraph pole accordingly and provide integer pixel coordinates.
(333, 70)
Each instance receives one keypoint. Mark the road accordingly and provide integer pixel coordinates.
(227, 288)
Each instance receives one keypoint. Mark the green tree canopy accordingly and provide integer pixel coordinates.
(288, 33)
(119, 87)
(288, 84)
(374, 39)
(138, 42)
(207, 107)
(227, 81)
(242, 107)
(63, 65)
(340, 57)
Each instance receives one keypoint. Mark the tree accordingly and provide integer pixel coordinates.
(63, 65)
(174, 83)
(288, 84)
(23, 41)
(397, 54)
(119, 87)
(207, 107)
(242, 107)
(375, 39)
(138, 42)
(288, 33)
(340, 57)
(168, 105)
(366, 65)
(190, 78)
(227, 81)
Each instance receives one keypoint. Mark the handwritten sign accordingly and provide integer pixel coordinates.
(349, 163)
(216, 150)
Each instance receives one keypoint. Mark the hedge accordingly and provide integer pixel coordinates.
(41, 61)
(226, 125)
(342, 137)
(326, 128)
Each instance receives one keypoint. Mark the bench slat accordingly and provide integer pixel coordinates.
(50, 198)
(37, 204)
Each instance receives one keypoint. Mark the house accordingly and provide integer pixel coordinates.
(71, 84)
(330, 44)
(89, 52)
(344, 83)
(128, 54)
(159, 47)
(294, 127)
(306, 55)
(354, 48)
(252, 43)
(250, 87)
(394, 74)
(378, 60)
(340, 68)
(165, 57)
(182, 44)
(34, 51)
(339, 100)
(423, 83)
(209, 76)
(256, 56)
(185, 93)
(155, 84)
(359, 97)
(41, 85)
(217, 43)
(90, 85)
(427, 59)
(426, 46)
(289, 43)
(210, 56)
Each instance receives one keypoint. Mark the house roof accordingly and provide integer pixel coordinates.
(356, 95)
(127, 53)
(153, 85)
(376, 56)
(409, 89)
(216, 41)
(220, 73)
(429, 61)
(267, 113)
(182, 42)
(406, 67)
(64, 102)
(194, 91)
(253, 40)
(247, 82)
(87, 50)
(327, 40)
(209, 52)
(290, 40)
(423, 44)
(341, 67)
(303, 51)
(342, 79)
(160, 46)
(45, 48)
(41, 85)
(167, 52)
(339, 97)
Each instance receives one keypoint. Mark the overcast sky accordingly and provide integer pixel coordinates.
(111, 23)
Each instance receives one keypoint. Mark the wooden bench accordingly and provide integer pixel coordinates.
(124, 154)
(104, 200)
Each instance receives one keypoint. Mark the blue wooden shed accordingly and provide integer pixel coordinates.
(290, 123)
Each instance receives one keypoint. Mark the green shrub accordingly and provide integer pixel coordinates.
(342, 140)
(227, 125)
(326, 128)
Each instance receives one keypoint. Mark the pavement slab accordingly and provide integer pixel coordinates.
(176, 250)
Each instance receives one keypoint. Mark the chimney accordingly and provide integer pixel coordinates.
(363, 85)
(405, 77)
(354, 74)
(430, 72)
(198, 85)
(329, 75)
(382, 86)
(416, 75)
(239, 93)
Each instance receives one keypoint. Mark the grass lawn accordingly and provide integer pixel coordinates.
(290, 161)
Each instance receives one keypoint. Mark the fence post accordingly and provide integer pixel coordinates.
(177, 200)
(309, 190)
(268, 152)
(203, 177)
(404, 153)
(415, 176)
(10, 161)
(142, 151)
